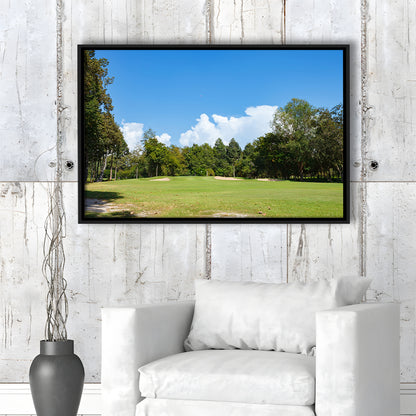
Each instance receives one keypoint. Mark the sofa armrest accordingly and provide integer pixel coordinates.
(357, 361)
(132, 337)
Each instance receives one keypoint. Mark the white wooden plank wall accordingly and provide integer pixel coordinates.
(325, 251)
(131, 264)
(390, 231)
(27, 89)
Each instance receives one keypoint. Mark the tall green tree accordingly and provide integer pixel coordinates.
(113, 145)
(233, 153)
(296, 124)
(102, 136)
(221, 165)
(155, 152)
(246, 166)
(175, 162)
(271, 156)
(327, 145)
(133, 163)
(199, 159)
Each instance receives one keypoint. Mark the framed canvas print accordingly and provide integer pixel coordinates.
(213, 133)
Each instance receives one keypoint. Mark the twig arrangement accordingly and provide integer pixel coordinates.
(53, 250)
(53, 266)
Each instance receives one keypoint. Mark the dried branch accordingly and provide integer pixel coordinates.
(53, 266)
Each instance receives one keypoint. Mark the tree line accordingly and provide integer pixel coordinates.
(305, 143)
(104, 143)
(154, 158)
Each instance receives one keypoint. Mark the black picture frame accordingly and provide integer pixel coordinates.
(342, 219)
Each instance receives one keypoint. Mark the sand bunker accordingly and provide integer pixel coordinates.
(267, 180)
(223, 178)
(160, 180)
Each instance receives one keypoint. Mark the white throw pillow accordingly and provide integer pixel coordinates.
(266, 316)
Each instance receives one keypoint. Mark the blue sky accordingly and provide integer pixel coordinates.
(199, 95)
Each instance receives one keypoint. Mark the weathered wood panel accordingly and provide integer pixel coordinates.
(330, 22)
(321, 251)
(391, 62)
(23, 208)
(249, 252)
(391, 248)
(255, 21)
(391, 207)
(27, 89)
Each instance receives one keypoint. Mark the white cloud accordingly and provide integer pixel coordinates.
(244, 129)
(132, 132)
(164, 138)
(203, 132)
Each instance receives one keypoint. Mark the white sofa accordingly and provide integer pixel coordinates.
(355, 371)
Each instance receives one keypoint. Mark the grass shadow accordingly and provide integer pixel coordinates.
(103, 195)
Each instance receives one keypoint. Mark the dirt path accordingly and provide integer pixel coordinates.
(97, 205)
(103, 206)
(229, 215)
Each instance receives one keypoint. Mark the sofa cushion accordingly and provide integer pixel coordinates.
(169, 407)
(262, 377)
(265, 316)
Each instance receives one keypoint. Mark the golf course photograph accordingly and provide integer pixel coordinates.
(200, 134)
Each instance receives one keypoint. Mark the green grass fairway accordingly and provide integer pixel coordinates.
(201, 197)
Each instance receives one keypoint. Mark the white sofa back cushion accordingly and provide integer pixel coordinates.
(265, 316)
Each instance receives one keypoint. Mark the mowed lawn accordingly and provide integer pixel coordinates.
(196, 196)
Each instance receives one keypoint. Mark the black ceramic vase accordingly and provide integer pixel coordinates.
(56, 379)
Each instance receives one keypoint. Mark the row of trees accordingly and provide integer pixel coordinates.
(304, 142)
(154, 158)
